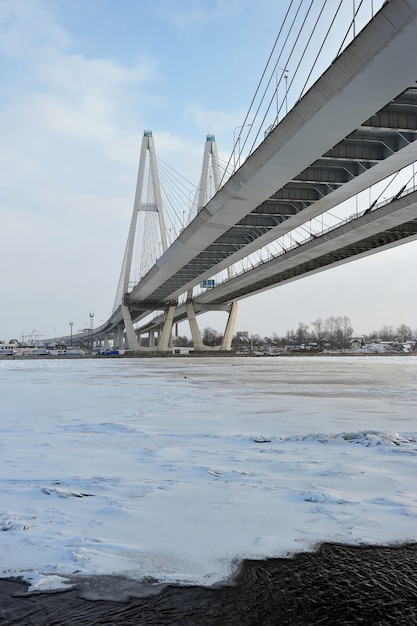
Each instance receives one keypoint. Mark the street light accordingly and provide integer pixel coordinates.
(238, 143)
(284, 71)
(90, 330)
(353, 21)
(71, 325)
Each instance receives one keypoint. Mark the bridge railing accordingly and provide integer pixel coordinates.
(222, 278)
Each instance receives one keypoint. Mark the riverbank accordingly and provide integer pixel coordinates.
(200, 354)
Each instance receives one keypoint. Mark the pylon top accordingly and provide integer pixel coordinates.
(211, 138)
(147, 133)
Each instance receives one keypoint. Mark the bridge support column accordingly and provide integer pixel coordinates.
(132, 340)
(118, 337)
(195, 331)
(167, 329)
(230, 328)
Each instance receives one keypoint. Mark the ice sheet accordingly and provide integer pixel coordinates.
(175, 469)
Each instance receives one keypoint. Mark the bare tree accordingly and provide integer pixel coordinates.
(181, 341)
(387, 333)
(319, 330)
(289, 336)
(345, 329)
(275, 338)
(302, 333)
(211, 337)
(404, 333)
(330, 327)
(256, 340)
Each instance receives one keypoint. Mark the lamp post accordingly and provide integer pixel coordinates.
(286, 92)
(71, 325)
(237, 141)
(353, 21)
(284, 71)
(91, 328)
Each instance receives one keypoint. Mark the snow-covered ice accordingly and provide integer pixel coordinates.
(175, 469)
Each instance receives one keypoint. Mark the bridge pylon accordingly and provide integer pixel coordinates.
(141, 248)
(210, 177)
(208, 186)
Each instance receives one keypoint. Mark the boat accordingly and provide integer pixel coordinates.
(7, 349)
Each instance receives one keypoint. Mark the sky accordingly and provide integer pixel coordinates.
(177, 469)
(80, 82)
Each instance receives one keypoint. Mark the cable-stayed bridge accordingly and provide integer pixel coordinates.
(354, 127)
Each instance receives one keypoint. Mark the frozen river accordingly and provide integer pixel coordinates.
(175, 469)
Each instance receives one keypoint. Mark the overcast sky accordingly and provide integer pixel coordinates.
(80, 81)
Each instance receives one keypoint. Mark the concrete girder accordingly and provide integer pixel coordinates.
(280, 208)
(241, 235)
(264, 221)
(400, 113)
(282, 211)
(332, 172)
(394, 120)
(363, 149)
(297, 190)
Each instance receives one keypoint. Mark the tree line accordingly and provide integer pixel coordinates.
(336, 331)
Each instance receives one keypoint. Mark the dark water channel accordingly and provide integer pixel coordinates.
(337, 585)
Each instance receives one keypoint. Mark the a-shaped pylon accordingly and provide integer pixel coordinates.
(147, 215)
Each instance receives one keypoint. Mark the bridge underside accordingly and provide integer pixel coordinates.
(392, 224)
(321, 253)
(379, 138)
(387, 239)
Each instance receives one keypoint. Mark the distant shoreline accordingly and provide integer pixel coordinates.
(199, 354)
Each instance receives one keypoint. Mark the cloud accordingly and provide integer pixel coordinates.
(27, 27)
(220, 121)
(194, 13)
(64, 116)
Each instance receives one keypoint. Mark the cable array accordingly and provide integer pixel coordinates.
(310, 37)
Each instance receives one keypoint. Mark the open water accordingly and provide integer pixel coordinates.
(337, 585)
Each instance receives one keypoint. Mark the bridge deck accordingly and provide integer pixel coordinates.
(385, 227)
(389, 226)
(354, 127)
